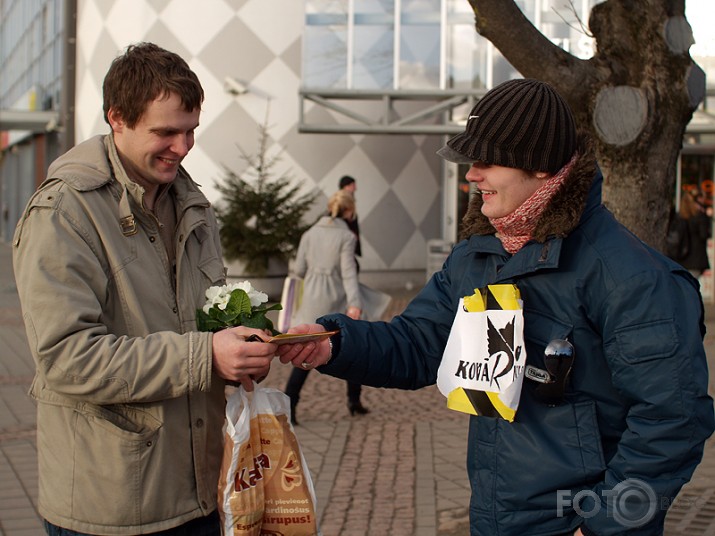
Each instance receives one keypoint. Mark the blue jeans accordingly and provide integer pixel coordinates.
(202, 526)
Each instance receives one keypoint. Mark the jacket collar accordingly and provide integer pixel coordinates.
(84, 167)
(329, 221)
(579, 194)
(95, 163)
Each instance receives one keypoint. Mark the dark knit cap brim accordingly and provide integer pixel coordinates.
(522, 124)
(451, 155)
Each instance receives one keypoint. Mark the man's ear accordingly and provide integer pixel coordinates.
(115, 120)
(542, 175)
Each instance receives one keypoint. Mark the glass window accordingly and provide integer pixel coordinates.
(565, 24)
(374, 44)
(360, 44)
(420, 44)
(325, 44)
(466, 51)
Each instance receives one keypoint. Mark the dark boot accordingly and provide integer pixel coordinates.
(295, 384)
(357, 407)
(354, 405)
(293, 404)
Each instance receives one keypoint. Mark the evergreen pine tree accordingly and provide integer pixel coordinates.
(261, 216)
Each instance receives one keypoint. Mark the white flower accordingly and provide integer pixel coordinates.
(220, 295)
(217, 296)
(256, 297)
(219, 312)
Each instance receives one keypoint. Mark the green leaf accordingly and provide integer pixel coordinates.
(239, 303)
(260, 321)
(238, 312)
(226, 318)
(264, 310)
(205, 322)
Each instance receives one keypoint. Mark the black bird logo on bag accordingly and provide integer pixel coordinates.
(500, 344)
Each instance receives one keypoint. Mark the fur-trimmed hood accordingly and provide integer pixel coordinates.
(563, 212)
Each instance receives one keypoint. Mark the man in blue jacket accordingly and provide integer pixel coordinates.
(606, 447)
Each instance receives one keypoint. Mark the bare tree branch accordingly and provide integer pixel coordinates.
(635, 95)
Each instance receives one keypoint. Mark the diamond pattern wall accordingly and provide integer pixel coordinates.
(399, 194)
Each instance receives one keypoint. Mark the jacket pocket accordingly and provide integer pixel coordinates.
(213, 271)
(638, 354)
(113, 447)
(201, 253)
(559, 447)
(126, 422)
(645, 342)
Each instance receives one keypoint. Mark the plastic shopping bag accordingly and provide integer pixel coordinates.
(264, 487)
(482, 368)
(291, 297)
(374, 303)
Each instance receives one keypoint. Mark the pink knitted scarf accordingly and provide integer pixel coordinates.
(517, 228)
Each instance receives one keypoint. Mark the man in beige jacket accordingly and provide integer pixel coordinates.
(112, 258)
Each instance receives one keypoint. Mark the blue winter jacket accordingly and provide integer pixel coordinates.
(631, 429)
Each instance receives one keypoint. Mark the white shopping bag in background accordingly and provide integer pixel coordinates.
(291, 297)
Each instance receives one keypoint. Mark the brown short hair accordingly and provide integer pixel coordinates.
(144, 73)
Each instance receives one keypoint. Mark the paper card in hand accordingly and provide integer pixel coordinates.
(482, 368)
(292, 338)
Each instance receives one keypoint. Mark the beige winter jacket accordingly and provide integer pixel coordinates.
(129, 412)
(326, 261)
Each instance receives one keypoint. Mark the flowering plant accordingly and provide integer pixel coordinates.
(236, 304)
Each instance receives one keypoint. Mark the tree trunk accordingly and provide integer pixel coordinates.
(635, 96)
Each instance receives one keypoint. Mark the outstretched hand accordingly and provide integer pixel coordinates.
(236, 360)
(306, 355)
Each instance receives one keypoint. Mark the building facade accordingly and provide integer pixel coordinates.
(284, 64)
(32, 48)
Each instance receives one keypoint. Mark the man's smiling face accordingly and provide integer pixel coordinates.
(153, 149)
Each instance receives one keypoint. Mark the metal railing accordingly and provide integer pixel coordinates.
(414, 111)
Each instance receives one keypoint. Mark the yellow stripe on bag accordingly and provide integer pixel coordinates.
(496, 297)
(459, 401)
(506, 296)
(476, 303)
(504, 410)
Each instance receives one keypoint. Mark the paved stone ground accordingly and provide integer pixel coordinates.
(398, 471)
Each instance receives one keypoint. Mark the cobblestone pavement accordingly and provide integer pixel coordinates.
(397, 471)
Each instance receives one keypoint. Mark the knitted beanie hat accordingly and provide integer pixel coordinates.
(520, 124)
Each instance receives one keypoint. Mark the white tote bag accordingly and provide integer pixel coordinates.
(482, 368)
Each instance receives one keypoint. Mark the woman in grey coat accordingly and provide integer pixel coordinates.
(326, 262)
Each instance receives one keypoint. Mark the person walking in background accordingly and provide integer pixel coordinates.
(614, 414)
(326, 262)
(112, 259)
(698, 230)
(348, 184)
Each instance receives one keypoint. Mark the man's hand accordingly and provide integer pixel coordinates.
(578, 532)
(306, 355)
(235, 359)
